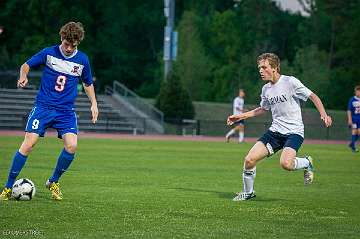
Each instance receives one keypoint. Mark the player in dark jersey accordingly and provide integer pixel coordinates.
(353, 114)
(64, 67)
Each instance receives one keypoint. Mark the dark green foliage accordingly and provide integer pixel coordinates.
(311, 67)
(123, 38)
(218, 43)
(193, 65)
(174, 101)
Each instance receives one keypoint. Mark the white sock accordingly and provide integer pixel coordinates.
(248, 180)
(231, 132)
(241, 137)
(300, 163)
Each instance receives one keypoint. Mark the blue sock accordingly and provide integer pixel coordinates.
(17, 164)
(354, 137)
(62, 165)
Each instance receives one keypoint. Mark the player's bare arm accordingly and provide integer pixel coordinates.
(23, 80)
(349, 117)
(320, 107)
(90, 92)
(252, 113)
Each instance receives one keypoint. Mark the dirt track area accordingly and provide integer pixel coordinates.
(159, 137)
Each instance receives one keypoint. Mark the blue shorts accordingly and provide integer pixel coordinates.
(355, 124)
(275, 141)
(41, 118)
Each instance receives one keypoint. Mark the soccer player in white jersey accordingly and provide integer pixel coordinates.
(281, 94)
(238, 108)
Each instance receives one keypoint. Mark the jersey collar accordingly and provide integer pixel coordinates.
(65, 56)
(280, 78)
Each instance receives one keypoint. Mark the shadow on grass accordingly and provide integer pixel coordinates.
(226, 195)
(262, 199)
(229, 195)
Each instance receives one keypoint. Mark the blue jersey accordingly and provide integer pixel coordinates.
(354, 108)
(58, 88)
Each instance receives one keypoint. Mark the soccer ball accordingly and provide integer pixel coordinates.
(23, 189)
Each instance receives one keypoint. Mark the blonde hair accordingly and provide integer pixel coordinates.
(73, 32)
(273, 59)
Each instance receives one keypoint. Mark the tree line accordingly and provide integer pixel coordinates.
(218, 43)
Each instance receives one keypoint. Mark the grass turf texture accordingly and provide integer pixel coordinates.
(169, 189)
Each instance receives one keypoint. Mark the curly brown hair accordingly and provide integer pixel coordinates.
(73, 32)
(273, 59)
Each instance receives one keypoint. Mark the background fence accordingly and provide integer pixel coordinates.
(253, 129)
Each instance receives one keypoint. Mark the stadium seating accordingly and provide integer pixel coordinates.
(15, 104)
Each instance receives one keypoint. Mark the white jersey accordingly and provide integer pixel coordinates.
(283, 99)
(238, 105)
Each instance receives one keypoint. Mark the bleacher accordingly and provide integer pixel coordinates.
(15, 104)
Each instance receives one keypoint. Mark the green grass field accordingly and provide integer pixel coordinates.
(171, 189)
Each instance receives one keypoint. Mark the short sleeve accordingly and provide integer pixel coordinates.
(234, 104)
(38, 59)
(264, 103)
(350, 106)
(86, 76)
(300, 91)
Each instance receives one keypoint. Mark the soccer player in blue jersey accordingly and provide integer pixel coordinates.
(353, 114)
(64, 66)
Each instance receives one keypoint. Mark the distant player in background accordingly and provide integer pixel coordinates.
(64, 66)
(238, 108)
(353, 115)
(281, 95)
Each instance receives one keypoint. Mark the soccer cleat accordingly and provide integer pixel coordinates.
(309, 171)
(54, 188)
(353, 149)
(227, 138)
(5, 194)
(242, 196)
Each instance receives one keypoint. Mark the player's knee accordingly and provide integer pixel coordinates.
(249, 162)
(287, 164)
(71, 147)
(26, 148)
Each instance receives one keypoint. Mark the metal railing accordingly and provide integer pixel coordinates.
(138, 102)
